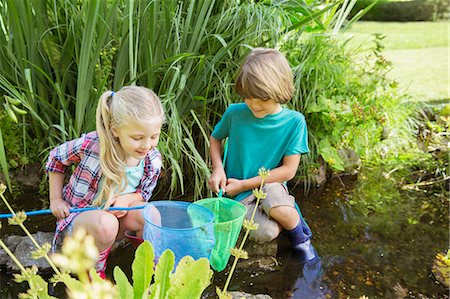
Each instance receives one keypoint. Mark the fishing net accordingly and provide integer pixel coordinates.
(228, 217)
(182, 227)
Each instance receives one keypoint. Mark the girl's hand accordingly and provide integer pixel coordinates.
(60, 208)
(217, 180)
(120, 201)
(234, 187)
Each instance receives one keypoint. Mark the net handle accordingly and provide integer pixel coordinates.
(225, 152)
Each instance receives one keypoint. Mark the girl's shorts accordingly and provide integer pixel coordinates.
(58, 240)
(268, 229)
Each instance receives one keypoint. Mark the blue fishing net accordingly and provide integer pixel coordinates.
(182, 227)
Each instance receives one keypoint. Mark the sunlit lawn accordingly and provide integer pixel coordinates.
(419, 52)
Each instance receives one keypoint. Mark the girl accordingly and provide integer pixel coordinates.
(117, 165)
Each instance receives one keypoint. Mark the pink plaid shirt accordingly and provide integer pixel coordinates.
(83, 183)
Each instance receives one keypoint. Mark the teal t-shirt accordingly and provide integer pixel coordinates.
(259, 142)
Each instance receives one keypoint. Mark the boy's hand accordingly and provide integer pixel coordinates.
(217, 180)
(234, 187)
(60, 208)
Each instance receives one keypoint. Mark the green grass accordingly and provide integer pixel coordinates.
(419, 52)
(409, 35)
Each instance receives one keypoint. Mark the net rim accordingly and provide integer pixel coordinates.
(173, 203)
(238, 204)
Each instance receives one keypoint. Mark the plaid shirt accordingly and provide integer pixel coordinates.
(84, 181)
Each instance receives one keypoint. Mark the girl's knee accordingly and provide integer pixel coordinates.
(152, 215)
(105, 228)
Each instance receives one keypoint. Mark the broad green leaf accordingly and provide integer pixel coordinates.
(123, 285)
(330, 155)
(142, 268)
(155, 291)
(4, 162)
(40, 287)
(95, 277)
(162, 274)
(70, 282)
(190, 278)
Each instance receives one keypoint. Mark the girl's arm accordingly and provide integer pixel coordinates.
(285, 172)
(58, 206)
(218, 178)
(152, 171)
(59, 159)
(124, 201)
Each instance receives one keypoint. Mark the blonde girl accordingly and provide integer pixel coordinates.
(116, 165)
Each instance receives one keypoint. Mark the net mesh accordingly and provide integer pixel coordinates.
(228, 217)
(182, 227)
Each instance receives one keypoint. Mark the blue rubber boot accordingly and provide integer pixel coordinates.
(299, 237)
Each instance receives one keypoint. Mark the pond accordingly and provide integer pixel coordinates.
(372, 239)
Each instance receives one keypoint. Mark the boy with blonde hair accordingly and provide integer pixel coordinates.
(262, 133)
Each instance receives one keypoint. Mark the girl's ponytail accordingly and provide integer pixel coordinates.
(111, 156)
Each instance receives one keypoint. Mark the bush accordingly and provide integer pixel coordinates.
(404, 11)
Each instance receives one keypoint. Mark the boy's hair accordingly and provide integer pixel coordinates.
(265, 75)
(115, 109)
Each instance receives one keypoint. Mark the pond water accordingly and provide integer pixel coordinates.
(371, 238)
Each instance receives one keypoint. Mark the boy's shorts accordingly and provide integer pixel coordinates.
(268, 229)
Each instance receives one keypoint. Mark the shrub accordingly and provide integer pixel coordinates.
(404, 11)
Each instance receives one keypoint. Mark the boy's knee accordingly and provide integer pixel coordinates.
(283, 212)
(266, 232)
(268, 229)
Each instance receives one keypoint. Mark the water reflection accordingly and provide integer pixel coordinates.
(369, 235)
(303, 279)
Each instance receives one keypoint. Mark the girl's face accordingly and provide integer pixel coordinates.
(261, 108)
(137, 138)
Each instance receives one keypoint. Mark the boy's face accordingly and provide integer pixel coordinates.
(261, 108)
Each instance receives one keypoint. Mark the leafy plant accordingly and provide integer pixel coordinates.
(347, 99)
(79, 255)
(189, 280)
(57, 57)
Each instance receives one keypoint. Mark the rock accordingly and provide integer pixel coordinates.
(261, 256)
(260, 264)
(321, 177)
(28, 176)
(261, 249)
(12, 241)
(385, 133)
(351, 159)
(318, 177)
(22, 247)
(239, 295)
(4, 258)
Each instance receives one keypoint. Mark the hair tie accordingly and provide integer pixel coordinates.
(112, 94)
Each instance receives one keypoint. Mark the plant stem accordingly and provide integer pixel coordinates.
(243, 241)
(12, 256)
(47, 258)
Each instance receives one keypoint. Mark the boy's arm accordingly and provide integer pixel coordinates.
(285, 172)
(218, 178)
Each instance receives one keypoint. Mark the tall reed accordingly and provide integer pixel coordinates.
(57, 57)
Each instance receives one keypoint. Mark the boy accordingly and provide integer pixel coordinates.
(262, 133)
